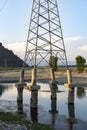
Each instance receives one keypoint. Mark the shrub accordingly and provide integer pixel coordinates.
(80, 63)
(53, 62)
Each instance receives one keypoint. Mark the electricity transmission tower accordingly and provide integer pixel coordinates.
(45, 36)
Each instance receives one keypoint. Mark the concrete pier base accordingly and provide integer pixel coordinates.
(71, 111)
(53, 104)
(34, 106)
(52, 82)
(20, 87)
(52, 74)
(21, 80)
(33, 86)
(71, 96)
(53, 88)
(33, 80)
(53, 111)
(20, 98)
(69, 79)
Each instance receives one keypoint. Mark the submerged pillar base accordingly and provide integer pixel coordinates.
(20, 87)
(33, 87)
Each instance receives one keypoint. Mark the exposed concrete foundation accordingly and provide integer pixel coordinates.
(52, 74)
(69, 79)
(33, 80)
(71, 96)
(20, 98)
(21, 80)
(33, 86)
(53, 104)
(34, 105)
(69, 76)
(20, 87)
(53, 111)
(52, 82)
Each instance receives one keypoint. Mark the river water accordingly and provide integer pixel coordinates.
(57, 113)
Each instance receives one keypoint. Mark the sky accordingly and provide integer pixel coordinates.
(14, 25)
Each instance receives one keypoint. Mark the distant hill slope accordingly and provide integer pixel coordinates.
(8, 58)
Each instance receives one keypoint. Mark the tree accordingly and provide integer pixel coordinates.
(80, 63)
(53, 62)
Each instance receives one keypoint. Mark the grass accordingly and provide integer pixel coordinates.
(9, 117)
(41, 127)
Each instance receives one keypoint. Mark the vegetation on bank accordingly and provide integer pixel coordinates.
(16, 119)
(80, 63)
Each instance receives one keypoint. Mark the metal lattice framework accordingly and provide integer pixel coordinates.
(45, 37)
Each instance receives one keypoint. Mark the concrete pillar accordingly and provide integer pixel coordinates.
(71, 113)
(71, 96)
(20, 87)
(69, 76)
(52, 74)
(71, 110)
(53, 104)
(53, 88)
(33, 80)
(34, 106)
(21, 80)
(52, 82)
(19, 98)
(33, 86)
(53, 110)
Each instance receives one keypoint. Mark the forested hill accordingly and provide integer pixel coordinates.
(8, 58)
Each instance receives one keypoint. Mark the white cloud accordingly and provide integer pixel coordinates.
(74, 38)
(83, 48)
(74, 46)
(18, 48)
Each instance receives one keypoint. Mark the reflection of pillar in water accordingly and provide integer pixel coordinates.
(71, 119)
(69, 76)
(20, 98)
(21, 75)
(71, 110)
(71, 96)
(53, 110)
(34, 105)
(53, 88)
(53, 105)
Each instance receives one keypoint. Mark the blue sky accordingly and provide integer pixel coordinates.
(14, 23)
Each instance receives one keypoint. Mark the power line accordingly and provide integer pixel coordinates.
(4, 4)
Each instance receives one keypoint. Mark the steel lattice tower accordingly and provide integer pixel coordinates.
(45, 36)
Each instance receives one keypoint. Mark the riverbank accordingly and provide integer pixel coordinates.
(43, 75)
(12, 121)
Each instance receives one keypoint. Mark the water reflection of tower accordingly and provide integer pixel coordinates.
(53, 110)
(34, 106)
(71, 109)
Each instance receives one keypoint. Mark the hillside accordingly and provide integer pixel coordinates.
(8, 58)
